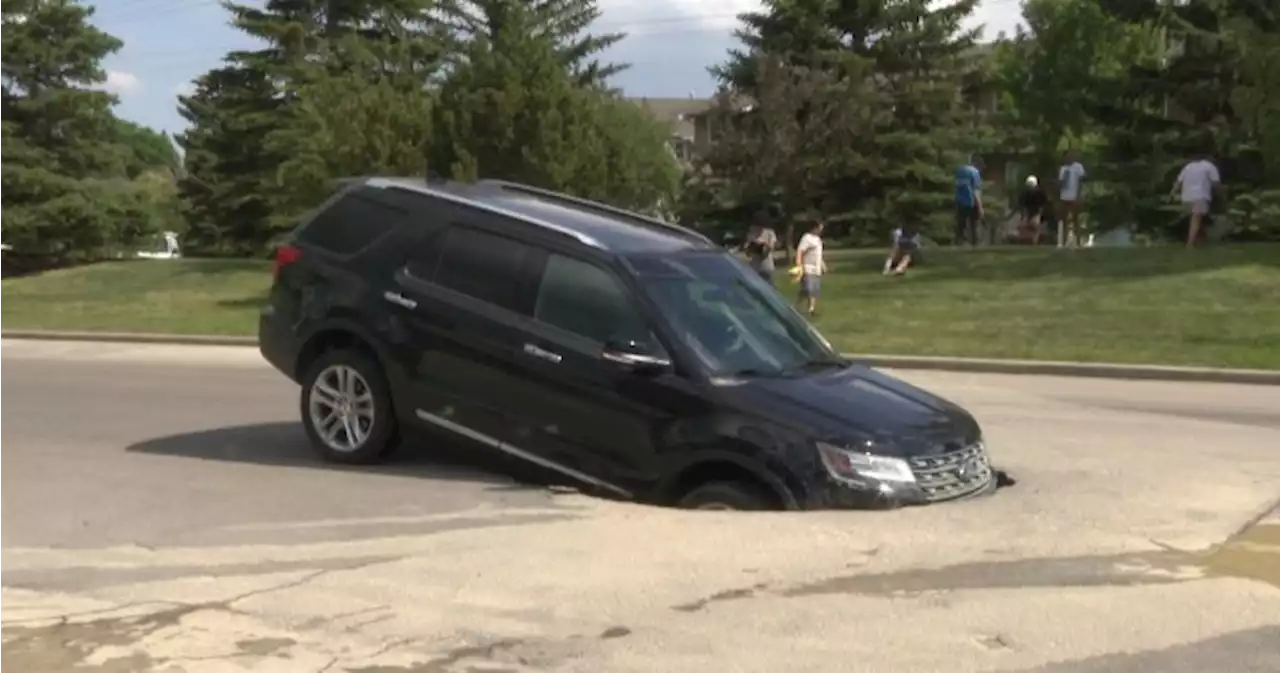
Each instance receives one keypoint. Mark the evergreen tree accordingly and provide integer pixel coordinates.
(919, 61)
(802, 136)
(229, 116)
(1202, 92)
(374, 117)
(147, 149)
(339, 87)
(561, 22)
(66, 190)
(513, 110)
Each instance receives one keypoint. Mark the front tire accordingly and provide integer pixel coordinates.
(346, 408)
(728, 495)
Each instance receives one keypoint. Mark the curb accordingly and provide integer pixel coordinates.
(1102, 370)
(131, 337)
(931, 363)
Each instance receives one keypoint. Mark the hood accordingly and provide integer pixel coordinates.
(858, 404)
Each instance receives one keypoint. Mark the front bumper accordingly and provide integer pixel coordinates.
(962, 474)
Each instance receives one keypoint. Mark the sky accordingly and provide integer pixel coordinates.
(670, 44)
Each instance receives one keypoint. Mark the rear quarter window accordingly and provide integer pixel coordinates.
(350, 224)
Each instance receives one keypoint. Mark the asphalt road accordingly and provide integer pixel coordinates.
(161, 511)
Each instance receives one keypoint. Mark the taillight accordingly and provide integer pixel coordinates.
(285, 255)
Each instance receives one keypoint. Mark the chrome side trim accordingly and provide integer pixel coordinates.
(424, 188)
(519, 453)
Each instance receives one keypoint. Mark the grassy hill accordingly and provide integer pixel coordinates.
(1216, 306)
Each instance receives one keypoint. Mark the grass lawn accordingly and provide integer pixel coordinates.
(1218, 306)
(193, 296)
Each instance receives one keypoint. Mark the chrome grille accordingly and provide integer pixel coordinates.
(951, 475)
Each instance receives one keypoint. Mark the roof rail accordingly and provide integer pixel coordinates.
(596, 205)
(422, 187)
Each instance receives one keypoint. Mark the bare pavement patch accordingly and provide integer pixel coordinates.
(1120, 549)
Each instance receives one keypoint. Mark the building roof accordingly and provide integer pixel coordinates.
(678, 113)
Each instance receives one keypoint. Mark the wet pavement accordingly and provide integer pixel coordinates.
(161, 513)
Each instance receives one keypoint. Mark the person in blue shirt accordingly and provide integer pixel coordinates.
(968, 201)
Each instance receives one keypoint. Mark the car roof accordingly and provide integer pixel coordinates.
(595, 224)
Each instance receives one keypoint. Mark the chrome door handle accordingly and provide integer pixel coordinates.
(397, 298)
(547, 355)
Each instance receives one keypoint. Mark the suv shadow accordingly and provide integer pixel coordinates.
(285, 444)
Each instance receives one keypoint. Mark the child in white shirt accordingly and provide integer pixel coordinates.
(812, 265)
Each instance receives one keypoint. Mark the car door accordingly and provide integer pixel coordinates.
(464, 308)
(603, 423)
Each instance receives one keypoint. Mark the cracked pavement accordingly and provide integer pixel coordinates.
(161, 512)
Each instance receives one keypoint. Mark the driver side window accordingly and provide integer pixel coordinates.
(588, 301)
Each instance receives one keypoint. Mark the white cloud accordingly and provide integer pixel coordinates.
(121, 83)
(997, 16)
(690, 17)
(184, 89)
(667, 17)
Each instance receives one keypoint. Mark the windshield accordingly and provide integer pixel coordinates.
(732, 319)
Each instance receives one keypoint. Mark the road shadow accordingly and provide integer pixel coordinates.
(286, 445)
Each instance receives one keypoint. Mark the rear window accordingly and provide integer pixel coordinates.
(350, 224)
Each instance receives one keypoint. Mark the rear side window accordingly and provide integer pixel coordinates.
(350, 224)
(482, 265)
(588, 301)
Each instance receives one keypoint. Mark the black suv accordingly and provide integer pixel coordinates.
(633, 356)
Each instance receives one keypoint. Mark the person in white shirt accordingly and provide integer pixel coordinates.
(812, 265)
(1198, 180)
(1070, 193)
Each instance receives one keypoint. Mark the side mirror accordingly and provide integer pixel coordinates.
(635, 356)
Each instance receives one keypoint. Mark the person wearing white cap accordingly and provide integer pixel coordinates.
(1033, 203)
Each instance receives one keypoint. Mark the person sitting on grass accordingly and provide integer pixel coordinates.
(906, 241)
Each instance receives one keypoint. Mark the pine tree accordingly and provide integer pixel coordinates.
(340, 87)
(66, 190)
(802, 136)
(562, 22)
(919, 61)
(511, 109)
(1204, 91)
(373, 117)
(229, 117)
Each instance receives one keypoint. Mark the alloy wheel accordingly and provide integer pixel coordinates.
(341, 408)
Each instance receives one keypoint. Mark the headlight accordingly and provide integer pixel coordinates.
(846, 464)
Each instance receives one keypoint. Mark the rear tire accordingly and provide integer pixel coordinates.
(346, 408)
(728, 495)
